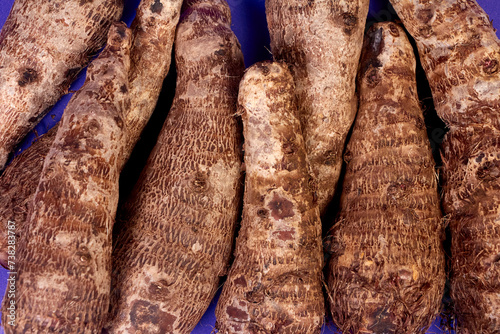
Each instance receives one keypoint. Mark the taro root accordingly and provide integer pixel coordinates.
(387, 270)
(275, 282)
(63, 260)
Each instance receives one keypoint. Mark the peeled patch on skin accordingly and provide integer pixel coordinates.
(147, 317)
(157, 7)
(236, 313)
(280, 207)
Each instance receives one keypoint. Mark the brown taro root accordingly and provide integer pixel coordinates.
(460, 54)
(43, 46)
(274, 284)
(178, 224)
(154, 33)
(321, 42)
(63, 262)
(154, 30)
(386, 273)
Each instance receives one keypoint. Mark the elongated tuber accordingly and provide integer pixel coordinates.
(274, 284)
(43, 46)
(153, 35)
(179, 223)
(386, 273)
(64, 258)
(321, 42)
(460, 54)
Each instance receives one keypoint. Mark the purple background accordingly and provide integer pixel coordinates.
(249, 24)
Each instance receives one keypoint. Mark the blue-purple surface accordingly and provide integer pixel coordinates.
(249, 24)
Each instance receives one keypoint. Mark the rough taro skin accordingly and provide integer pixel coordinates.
(179, 222)
(153, 36)
(460, 54)
(275, 282)
(321, 42)
(43, 46)
(387, 270)
(18, 184)
(63, 259)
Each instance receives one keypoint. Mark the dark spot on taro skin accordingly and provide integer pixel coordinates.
(425, 31)
(490, 66)
(350, 21)
(280, 207)
(123, 89)
(372, 78)
(199, 183)
(262, 213)
(93, 126)
(347, 156)
(156, 7)
(489, 171)
(236, 313)
(82, 256)
(122, 31)
(425, 15)
(480, 157)
(71, 142)
(442, 59)
(329, 158)
(28, 76)
(284, 235)
(393, 29)
(143, 312)
(144, 315)
(240, 281)
(264, 68)
(119, 122)
(220, 52)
